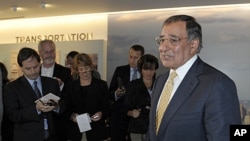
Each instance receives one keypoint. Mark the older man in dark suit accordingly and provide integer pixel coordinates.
(202, 102)
(49, 68)
(33, 119)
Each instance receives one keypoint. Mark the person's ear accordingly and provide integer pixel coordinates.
(194, 46)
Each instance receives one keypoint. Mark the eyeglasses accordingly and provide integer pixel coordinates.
(84, 69)
(172, 40)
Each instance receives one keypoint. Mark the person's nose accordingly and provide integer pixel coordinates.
(33, 70)
(165, 46)
(134, 60)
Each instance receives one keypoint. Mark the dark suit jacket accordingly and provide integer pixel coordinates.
(19, 101)
(202, 108)
(63, 73)
(137, 97)
(124, 73)
(92, 101)
(118, 121)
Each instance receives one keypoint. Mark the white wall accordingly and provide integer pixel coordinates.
(63, 25)
(83, 33)
(9, 52)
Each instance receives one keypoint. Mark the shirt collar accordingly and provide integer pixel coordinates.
(38, 79)
(182, 70)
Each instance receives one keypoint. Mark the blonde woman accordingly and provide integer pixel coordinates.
(87, 95)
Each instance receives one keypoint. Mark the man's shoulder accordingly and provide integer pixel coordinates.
(202, 68)
(60, 66)
(20, 79)
(59, 69)
(48, 79)
(18, 82)
(123, 67)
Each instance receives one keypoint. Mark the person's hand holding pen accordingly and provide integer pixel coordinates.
(44, 107)
(97, 116)
(73, 117)
(135, 113)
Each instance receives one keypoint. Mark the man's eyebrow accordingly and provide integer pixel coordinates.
(172, 35)
(33, 66)
(162, 36)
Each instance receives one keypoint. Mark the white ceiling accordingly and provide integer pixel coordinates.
(32, 9)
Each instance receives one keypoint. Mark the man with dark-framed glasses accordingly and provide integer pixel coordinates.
(192, 101)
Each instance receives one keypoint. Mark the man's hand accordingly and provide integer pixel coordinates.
(43, 107)
(135, 113)
(97, 116)
(120, 92)
(73, 117)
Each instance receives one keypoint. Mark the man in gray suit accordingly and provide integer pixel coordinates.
(203, 102)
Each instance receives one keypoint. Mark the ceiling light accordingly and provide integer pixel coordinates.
(14, 8)
(43, 5)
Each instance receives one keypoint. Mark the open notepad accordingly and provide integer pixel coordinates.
(49, 97)
(83, 122)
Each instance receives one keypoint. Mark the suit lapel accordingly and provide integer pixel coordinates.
(182, 93)
(55, 71)
(26, 85)
(44, 87)
(159, 84)
(126, 73)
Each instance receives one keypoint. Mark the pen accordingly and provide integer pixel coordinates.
(95, 117)
(41, 101)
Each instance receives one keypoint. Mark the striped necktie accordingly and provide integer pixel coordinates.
(39, 95)
(37, 91)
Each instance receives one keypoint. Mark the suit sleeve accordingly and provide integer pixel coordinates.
(113, 86)
(129, 97)
(61, 103)
(222, 110)
(104, 101)
(19, 113)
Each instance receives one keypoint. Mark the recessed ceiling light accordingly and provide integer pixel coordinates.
(14, 8)
(43, 5)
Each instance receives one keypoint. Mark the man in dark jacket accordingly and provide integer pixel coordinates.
(122, 76)
(49, 68)
(33, 118)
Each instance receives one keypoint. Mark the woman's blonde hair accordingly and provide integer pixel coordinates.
(83, 59)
